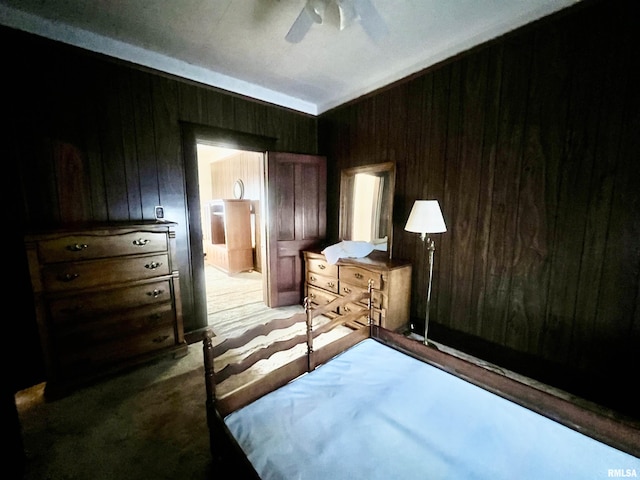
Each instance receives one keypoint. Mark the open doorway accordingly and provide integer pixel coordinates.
(231, 199)
(292, 210)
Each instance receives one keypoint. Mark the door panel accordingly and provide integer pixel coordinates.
(311, 226)
(296, 220)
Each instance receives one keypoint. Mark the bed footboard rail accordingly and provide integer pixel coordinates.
(269, 350)
(262, 353)
(314, 329)
(350, 318)
(341, 302)
(260, 330)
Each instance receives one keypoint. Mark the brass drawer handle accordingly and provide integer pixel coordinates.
(160, 339)
(155, 293)
(140, 242)
(77, 247)
(312, 278)
(322, 266)
(331, 284)
(152, 265)
(347, 309)
(358, 275)
(312, 295)
(68, 277)
(346, 290)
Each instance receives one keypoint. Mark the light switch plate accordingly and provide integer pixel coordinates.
(159, 213)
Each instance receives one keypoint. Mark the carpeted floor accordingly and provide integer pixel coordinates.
(149, 423)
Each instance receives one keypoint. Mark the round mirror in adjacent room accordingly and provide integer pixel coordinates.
(238, 190)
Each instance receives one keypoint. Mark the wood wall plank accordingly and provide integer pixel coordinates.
(143, 125)
(487, 158)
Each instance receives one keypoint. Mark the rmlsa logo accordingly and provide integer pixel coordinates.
(622, 472)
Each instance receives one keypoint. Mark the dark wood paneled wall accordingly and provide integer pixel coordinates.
(531, 146)
(89, 139)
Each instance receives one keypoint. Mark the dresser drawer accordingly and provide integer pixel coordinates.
(320, 297)
(354, 307)
(76, 275)
(346, 289)
(91, 331)
(327, 283)
(360, 276)
(87, 246)
(85, 359)
(64, 309)
(321, 266)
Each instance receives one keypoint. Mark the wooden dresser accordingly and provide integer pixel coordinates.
(106, 297)
(391, 284)
(230, 245)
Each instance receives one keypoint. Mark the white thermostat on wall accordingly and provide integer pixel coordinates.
(159, 213)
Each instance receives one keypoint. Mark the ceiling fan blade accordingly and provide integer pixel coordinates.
(300, 27)
(311, 13)
(371, 21)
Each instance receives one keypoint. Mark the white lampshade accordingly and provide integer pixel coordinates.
(426, 217)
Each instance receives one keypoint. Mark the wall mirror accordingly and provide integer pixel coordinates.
(366, 204)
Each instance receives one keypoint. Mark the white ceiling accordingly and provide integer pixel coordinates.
(240, 46)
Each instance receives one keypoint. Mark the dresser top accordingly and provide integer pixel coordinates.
(376, 259)
(104, 227)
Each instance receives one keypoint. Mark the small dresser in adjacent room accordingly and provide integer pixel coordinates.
(228, 244)
(391, 285)
(107, 298)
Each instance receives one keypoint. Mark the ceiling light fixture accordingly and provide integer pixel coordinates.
(350, 11)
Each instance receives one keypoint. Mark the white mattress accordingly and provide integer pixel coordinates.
(375, 413)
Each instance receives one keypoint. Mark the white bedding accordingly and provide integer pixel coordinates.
(375, 413)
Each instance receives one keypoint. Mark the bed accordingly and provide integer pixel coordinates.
(375, 404)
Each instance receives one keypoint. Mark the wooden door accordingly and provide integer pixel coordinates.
(296, 197)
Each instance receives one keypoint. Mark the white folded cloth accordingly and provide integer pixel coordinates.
(347, 249)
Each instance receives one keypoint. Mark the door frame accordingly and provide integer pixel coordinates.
(192, 134)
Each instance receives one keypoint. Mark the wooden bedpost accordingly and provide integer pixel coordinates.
(307, 310)
(370, 305)
(210, 385)
(209, 379)
(225, 452)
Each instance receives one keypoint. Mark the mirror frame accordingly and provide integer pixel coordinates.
(346, 198)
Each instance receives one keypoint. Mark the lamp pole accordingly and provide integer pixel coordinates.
(431, 248)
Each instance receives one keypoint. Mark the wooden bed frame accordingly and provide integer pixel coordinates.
(597, 423)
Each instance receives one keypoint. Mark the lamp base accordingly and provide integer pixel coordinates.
(429, 343)
(420, 338)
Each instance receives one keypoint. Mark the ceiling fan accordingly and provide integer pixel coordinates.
(350, 11)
